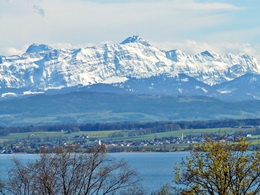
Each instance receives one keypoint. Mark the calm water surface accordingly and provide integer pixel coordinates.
(155, 169)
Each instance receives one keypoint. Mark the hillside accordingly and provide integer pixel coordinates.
(90, 107)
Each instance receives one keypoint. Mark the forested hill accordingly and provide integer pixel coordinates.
(87, 107)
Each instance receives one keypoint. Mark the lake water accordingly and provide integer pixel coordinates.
(155, 169)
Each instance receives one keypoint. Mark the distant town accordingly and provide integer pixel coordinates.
(115, 141)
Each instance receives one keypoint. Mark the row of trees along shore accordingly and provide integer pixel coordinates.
(158, 126)
(212, 168)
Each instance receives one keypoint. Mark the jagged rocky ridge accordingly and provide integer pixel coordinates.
(133, 66)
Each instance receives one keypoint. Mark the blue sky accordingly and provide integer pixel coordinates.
(190, 25)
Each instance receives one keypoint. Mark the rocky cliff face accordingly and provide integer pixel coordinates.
(43, 68)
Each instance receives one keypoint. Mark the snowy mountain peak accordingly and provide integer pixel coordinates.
(44, 68)
(36, 48)
(175, 55)
(136, 39)
(208, 54)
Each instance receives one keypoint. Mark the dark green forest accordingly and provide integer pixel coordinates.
(92, 107)
(153, 127)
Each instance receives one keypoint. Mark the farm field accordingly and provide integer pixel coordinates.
(107, 134)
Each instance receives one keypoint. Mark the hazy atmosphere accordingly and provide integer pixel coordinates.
(190, 25)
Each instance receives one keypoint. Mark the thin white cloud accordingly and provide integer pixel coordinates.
(239, 35)
(39, 10)
(195, 47)
(79, 22)
(11, 51)
(213, 6)
(178, 4)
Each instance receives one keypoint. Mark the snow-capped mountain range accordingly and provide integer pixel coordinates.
(133, 66)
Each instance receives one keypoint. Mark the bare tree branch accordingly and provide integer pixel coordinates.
(66, 172)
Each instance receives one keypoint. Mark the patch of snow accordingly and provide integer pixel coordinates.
(224, 92)
(253, 80)
(180, 90)
(203, 89)
(255, 97)
(185, 80)
(54, 88)
(130, 90)
(115, 80)
(9, 94)
(32, 92)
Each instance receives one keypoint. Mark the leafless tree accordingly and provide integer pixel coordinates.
(69, 173)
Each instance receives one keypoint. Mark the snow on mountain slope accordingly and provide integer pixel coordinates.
(243, 88)
(84, 66)
(43, 68)
(212, 68)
